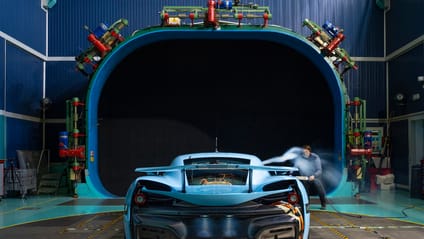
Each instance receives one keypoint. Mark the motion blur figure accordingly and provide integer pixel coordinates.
(309, 165)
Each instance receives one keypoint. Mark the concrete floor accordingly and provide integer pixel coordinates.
(379, 215)
(325, 224)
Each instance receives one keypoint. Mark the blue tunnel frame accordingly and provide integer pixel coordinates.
(94, 186)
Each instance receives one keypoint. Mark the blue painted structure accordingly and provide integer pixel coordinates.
(145, 37)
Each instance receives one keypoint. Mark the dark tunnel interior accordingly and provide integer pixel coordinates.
(183, 96)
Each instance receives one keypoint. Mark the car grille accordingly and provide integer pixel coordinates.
(281, 232)
(203, 226)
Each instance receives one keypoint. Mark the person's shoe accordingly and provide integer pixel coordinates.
(322, 208)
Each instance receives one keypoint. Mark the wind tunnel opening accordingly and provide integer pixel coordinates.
(179, 96)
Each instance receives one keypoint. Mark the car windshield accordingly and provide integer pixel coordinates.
(216, 171)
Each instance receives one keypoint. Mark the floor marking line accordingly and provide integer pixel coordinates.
(20, 208)
(332, 229)
(79, 225)
(368, 227)
(105, 227)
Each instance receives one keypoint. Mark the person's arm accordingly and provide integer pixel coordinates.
(318, 167)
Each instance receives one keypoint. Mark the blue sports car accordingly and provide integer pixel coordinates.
(216, 195)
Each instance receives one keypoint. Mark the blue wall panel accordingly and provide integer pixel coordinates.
(2, 92)
(404, 23)
(24, 82)
(399, 152)
(2, 72)
(2, 138)
(368, 83)
(63, 82)
(362, 20)
(25, 21)
(404, 71)
(21, 74)
(22, 134)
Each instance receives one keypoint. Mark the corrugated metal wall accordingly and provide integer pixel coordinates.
(368, 83)
(361, 20)
(404, 28)
(405, 33)
(22, 25)
(404, 71)
(404, 23)
(24, 82)
(25, 21)
(2, 71)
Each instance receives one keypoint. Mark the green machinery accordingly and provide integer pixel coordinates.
(357, 142)
(71, 144)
